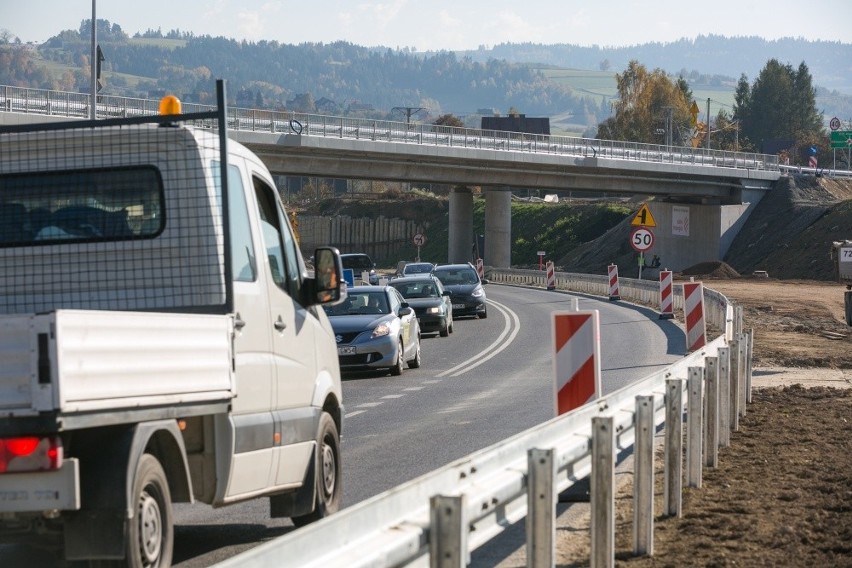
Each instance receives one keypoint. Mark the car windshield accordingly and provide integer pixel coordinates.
(417, 268)
(359, 303)
(419, 289)
(453, 276)
(360, 261)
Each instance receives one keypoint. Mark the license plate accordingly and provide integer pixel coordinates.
(458, 306)
(347, 350)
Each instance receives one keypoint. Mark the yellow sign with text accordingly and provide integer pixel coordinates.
(643, 218)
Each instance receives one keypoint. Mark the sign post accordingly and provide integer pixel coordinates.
(541, 254)
(419, 240)
(641, 239)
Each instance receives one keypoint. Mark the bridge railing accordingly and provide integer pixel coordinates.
(77, 105)
(454, 510)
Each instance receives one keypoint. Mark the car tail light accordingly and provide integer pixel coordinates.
(30, 453)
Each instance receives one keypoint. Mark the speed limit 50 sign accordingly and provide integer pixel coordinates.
(641, 239)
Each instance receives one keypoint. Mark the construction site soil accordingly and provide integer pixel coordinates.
(782, 492)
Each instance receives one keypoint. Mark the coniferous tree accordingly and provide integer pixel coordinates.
(780, 105)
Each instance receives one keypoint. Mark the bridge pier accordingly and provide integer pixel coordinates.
(498, 228)
(460, 234)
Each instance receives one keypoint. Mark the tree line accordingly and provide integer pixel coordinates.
(776, 112)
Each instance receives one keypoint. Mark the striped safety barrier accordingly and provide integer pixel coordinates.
(614, 294)
(480, 268)
(576, 364)
(666, 295)
(551, 275)
(693, 311)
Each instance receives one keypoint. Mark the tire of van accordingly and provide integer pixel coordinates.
(328, 479)
(150, 537)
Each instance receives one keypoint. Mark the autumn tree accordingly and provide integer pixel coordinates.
(449, 120)
(645, 100)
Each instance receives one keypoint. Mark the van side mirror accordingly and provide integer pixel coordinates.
(328, 284)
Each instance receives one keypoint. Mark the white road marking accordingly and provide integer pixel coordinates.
(506, 337)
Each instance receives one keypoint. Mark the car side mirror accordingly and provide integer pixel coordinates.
(446, 293)
(405, 310)
(484, 281)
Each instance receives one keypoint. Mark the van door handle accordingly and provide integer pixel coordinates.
(280, 325)
(239, 322)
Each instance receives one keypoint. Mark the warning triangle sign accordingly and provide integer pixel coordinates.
(643, 217)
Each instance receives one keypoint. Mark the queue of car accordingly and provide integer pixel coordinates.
(378, 327)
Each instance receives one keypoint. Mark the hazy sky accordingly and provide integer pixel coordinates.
(443, 24)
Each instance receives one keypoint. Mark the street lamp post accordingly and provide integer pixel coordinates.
(93, 114)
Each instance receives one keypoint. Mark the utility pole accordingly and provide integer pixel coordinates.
(409, 111)
(708, 123)
(669, 121)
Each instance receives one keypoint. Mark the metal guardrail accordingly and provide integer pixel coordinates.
(452, 511)
(789, 170)
(77, 105)
(717, 308)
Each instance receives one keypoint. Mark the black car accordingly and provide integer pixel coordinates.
(359, 263)
(465, 287)
(430, 301)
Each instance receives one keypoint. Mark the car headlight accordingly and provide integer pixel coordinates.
(381, 330)
(435, 310)
(478, 292)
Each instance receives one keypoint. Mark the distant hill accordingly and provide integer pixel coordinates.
(571, 84)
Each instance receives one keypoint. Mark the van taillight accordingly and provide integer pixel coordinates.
(30, 453)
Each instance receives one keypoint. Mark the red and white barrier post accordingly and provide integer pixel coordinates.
(693, 311)
(614, 294)
(666, 299)
(480, 268)
(551, 276)
(576, 361)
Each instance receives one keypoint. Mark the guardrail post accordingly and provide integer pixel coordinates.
(541, 507)
(711, 411)
(673, 447)
(695, 425)
(749, 362)
(643, 478)
(742, 375)
(735, 383)
(448, 532)
(738, 319)
(602, 488)
(724, 355)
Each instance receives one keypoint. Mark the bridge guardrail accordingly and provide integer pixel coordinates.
(77, 105)
(457, 508)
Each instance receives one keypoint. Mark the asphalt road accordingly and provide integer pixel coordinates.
(490, 379)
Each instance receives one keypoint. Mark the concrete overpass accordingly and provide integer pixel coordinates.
(701, 197)
(701, 200)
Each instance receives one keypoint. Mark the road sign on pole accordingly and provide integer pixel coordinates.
(641, 239)
(419, 240)
(841, 139)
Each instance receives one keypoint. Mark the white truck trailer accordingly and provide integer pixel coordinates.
(160, 338)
